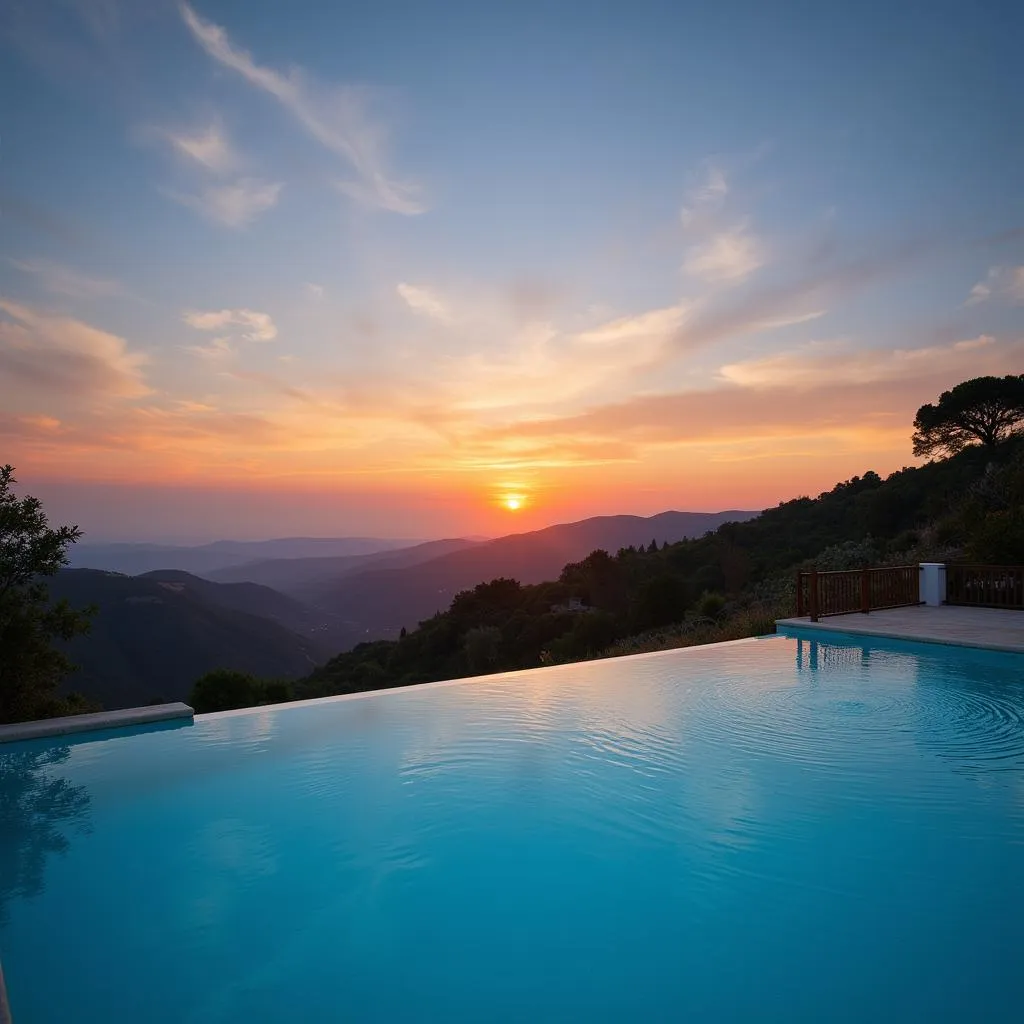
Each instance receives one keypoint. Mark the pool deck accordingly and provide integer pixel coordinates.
(994, 629)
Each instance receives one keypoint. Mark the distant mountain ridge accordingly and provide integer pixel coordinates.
(323, 630)
(201, 559)
(292, 573)
(380, 600)
(152, 638)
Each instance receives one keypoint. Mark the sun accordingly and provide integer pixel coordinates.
(511, 496)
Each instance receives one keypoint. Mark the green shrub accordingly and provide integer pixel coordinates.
(711, 606)
(224, 690)
(999, 539)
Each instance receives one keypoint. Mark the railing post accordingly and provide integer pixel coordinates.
(932, 590)
(814, 594)
(799, 594)
(865, 591)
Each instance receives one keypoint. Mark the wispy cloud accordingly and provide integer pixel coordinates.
(255, 326)
(655, 322)
(793, 300)
(315, 291)
(30, 428)
(706, 198)
(867, 392)
(41, 219)
(727, 256)
(238, 325)
(1006, 283)
(50, 353)
(336, 117)
(207, 146)
(541, 364)
(722, 248)
(424, 301)
(220, 193)
(234, 205)
(63, 280)
(274, 384)
(218, 350)
(822, 363)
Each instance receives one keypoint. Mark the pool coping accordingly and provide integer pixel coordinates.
(120, 719)
(891, 634)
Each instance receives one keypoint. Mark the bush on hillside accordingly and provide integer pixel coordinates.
(711, 606)
(225, 690)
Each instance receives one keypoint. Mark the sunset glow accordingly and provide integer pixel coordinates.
(292, 288)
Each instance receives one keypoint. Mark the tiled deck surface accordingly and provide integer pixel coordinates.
(993, 628)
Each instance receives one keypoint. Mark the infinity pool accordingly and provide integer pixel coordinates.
(784, 829)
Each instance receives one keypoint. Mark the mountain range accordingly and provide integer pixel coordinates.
(156, 632)
(380, 599)
(151, 637)
(206, 558)
(304, 574)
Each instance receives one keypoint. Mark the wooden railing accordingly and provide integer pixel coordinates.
(985, 586)
(856, 590)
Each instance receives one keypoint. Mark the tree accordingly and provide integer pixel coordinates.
(661, 600)
(986, 410)
(40, 809)
(225, 690)
(482, 646)
(32, 665)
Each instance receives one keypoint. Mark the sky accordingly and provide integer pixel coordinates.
(427, 269)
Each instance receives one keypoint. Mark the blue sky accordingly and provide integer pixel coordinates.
(405, 260)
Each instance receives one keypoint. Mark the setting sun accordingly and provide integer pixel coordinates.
(513, 504)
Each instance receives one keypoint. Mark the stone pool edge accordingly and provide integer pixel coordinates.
(120, 719)
(895, 634)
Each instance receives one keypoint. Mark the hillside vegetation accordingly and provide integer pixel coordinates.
(391, 595)
(732, 582)
(150, 639)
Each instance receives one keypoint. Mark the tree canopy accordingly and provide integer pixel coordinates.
(985, 410)
(32, 665)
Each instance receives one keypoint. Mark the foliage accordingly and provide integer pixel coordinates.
(150, 639)
(711, 606)
(992, 518)
(226, 689)
(984, 410)
(482, 645)
(848, 555)
(37, 808)
(999, 539)
(33, 665)
(660, 601)
(757, 619)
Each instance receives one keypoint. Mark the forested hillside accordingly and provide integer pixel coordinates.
(150, 639)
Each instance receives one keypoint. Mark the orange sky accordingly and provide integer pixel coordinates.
(266, 299)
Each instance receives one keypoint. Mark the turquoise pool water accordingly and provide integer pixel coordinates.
(785, 829)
